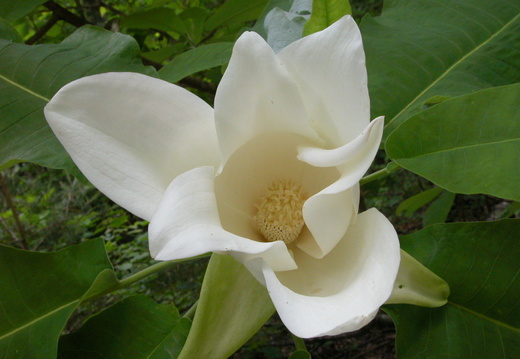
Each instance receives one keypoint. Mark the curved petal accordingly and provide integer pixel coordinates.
(329, 212)
(329, 68)
(417, 285)
(256, 95)
(327, 216)
(131, 134)
(343, 291)
(187, 224)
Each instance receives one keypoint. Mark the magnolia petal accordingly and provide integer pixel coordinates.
(329, 212)
(132, 134)
(187, 224)
(416, 284)
(327, 217)
(342, 291)
(360, 151)
(256, 95)
(329, 67)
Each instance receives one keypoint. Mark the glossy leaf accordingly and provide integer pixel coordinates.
(418, 49)
(469, 144)
(161, 18)
(482, 318)
(193, 19)
(235, 11)
(31, 75)
(39, 293)
(232, 308)
(325, 13)
(136, 327)
(192, 61)
(13, 10)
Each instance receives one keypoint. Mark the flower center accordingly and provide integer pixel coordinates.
(279, 216)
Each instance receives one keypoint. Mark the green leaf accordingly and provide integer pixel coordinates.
(284, 27)
(482, 318)
(412, 204)
(235, 11)
(136, 327)
(300, 354)
(469, 144)
(198, 59)
(31, 75)
(9, 33)
(13, 10)
(194, 18)
(439, 209)
(161, 18)
(419, 49)
(39, 293)
(326, 13)
(232, 308)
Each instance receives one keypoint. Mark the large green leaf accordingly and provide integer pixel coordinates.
(39, 293)
(325, 13)
(480, 262)
(161, 18)
(470, 144)
(232, 307)
(136, 327)
(419, 49)
(31, 75)
(198, 59)
(235, 11)
(15, 9)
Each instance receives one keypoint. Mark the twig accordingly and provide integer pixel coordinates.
(43, 30)
(16, 217)
(9, 230)
(65, 14)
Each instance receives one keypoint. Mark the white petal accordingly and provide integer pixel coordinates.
(329, 67)
(343, 291)
(131, 134)
(255, 96)
(360, 151)
(187, 224)
(327, 216)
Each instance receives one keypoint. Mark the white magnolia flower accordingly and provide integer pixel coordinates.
(269, 176)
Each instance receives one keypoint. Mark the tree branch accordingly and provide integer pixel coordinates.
(16, 217)
(65, 14)
(43, 30)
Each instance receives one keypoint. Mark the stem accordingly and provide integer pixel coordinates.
(191, 312)
(299, 343)
(156, 268)
(16, 216)
(391, 167)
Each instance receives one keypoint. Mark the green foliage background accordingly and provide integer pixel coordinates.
(444, 73)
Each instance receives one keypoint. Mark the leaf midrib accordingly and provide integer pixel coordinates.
(449, 69)
(457, 148)
(39, 318)
(480, 315)
(24, 88)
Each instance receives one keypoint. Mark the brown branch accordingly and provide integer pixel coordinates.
(43, 30)
(65, 14)
(16, 216)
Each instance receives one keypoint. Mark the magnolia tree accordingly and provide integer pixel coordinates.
(268, 177)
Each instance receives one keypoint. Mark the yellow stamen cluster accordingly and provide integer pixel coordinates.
(279, 216)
